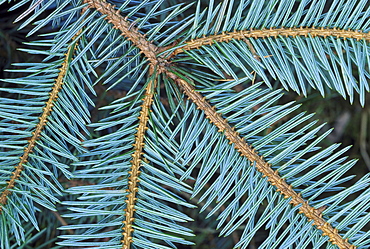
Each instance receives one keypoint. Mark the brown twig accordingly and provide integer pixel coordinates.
(262, 166)
(272, 32)
(43, 119)
(128, 30)
(136, 163)
(151, 51)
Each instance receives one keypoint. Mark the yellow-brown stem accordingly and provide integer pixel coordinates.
(151, 51)
(39, 127)
(129, 31)
(272, 32)
(262, 166)
(136, 163)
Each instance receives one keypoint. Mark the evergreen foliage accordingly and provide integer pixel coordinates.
(199, 119)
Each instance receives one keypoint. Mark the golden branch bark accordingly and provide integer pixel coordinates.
(272, 32)
(136, 163)
(262, 166)
(150, 51)
(40, 126)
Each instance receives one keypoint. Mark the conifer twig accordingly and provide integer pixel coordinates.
(136, 162)
(262, 166)
(272, 32)
(130, 31)
(43, 119)
(151, 51)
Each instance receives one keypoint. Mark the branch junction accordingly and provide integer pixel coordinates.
(151, 51)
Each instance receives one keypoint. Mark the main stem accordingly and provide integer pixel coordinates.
(262, 166)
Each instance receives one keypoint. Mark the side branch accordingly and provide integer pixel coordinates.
(272, 32)
(136, 163)
(39, 127)
(150, 51)
(262, 166)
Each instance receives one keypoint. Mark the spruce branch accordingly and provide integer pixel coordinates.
(262, 166)
(272, 32)
(130, 31)
(43, 119)
(137, 161)
(151, 52)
